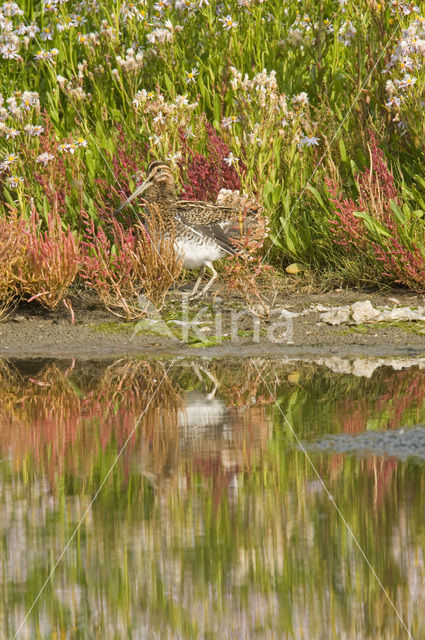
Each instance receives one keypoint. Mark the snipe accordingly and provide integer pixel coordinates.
(201, 229)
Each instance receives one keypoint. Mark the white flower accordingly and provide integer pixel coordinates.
(21, 29)
(184, 4)
(407, 81)
(68, 147)
(228, 22)
(50, 5)
(9, 160)
(46, 55)
(231, 160)
(307, 141)
(140, 98)
(44, 158)
(80, 142)
(46, 33)
(191, 75)
(181, 101)
(156, 140)
(188, 133)
(12, 133)
(15, 181)
(29, 99)
(346, 33)
(301, 98)
(32, 30)
(10, 52)
(174, 157)
(11, 9)
(159, 118)
(161, 5)
(394, 101)
(160, 35)
(66, 23)
(32, 130)
(78, 19)
(227, 122)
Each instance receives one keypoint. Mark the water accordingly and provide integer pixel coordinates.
(213, 522)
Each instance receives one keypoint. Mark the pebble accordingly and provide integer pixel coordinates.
(18, 319)
(401, 443)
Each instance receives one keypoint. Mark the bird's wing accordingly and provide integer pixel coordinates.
(213, 231)
(195, 212)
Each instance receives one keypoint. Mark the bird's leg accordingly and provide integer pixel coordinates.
(198, 369)
(189, 294)
(197, 283)
(208, 285)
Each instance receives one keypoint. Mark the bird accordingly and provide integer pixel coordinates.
(202, 230)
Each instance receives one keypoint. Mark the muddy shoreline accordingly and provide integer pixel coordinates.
(32, 332)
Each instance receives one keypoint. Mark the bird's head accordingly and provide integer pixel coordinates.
(159, 178)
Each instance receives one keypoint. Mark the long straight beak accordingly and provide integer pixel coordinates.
(140, 189)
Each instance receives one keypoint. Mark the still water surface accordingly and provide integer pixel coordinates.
(213, 522)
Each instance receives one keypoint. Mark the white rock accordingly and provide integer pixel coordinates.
(404, 313)
(364, 312)
(319, 307)
(337, 315)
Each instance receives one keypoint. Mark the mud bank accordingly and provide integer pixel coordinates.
(216, 328)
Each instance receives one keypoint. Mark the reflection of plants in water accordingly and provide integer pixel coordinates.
(391, 397)
(230, 524)
(72, 421)
(129, 388)
(387, 396)
(240, 383)
(321, 402)
(62, 425)
(317, 400)
(68, 419)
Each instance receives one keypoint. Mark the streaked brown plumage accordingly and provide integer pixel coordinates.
(201, 229)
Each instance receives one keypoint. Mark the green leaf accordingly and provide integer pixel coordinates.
(397, 212)
(267, 190)
(217, 108)
(342, 150)
(116, 114)
(420, 179)
(287, 204)
(204, 91)
(169, 84)
(90, 163)
(199, 342)
(9, 197)
(290, 239)
(372, 225)
(354, 167)
(276, 240)
(277, 194)
(317, 195)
